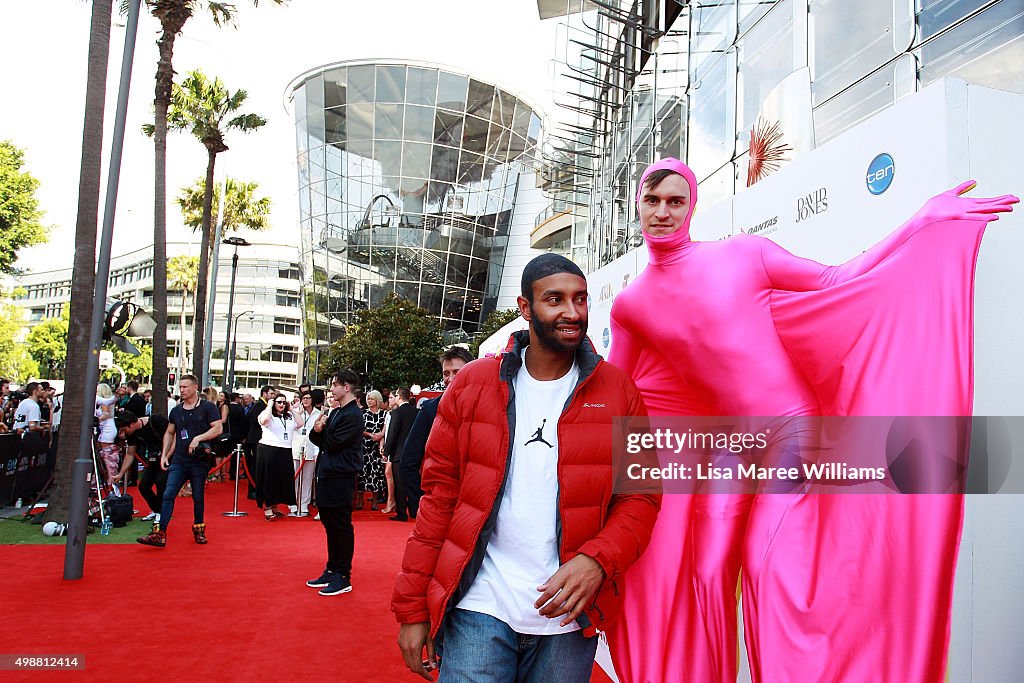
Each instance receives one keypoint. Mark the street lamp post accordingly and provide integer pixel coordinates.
(230, 384)
(236, 242)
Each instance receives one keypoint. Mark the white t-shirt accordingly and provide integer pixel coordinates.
(28, 411)
(302, 447)
(523, 549)
(280, 431)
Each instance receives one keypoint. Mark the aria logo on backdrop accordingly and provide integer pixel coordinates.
(812, 204)
(881, 171)
(606, 337)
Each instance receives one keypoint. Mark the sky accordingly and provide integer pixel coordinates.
(44, 53)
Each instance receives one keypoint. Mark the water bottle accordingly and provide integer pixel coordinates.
(18, 504)
(105, 529)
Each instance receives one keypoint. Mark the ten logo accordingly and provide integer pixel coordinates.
(881, 171)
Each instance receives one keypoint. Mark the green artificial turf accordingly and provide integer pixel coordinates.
(16, 532)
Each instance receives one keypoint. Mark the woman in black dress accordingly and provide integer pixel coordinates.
(274, 473)
(373, 467)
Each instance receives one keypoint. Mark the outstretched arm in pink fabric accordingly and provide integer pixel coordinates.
(792, 273)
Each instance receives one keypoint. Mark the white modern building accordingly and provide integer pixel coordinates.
(266, 312)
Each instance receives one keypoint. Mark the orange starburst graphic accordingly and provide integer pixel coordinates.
(767, 151)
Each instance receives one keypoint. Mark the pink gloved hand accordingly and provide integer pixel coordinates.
(952, 206)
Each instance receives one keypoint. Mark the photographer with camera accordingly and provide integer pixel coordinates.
(187, 455)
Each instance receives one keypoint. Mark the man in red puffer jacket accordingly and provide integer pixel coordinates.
(517, 556)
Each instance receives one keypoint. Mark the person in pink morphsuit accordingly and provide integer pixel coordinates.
(742, 327)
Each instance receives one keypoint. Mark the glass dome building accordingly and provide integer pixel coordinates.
(408, 174)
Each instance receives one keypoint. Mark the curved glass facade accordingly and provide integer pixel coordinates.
(407, 183)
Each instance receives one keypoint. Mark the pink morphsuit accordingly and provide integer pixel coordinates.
(835, 587)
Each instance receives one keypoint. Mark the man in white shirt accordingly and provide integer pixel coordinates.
(27, 419)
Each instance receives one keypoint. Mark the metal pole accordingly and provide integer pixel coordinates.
(238, 472)
(231, 304)
(212, 297)
(74, 552)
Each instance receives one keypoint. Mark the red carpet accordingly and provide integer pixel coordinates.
(236, 609)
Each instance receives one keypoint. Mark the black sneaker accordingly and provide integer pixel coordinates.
(323, 580)
(339, 584)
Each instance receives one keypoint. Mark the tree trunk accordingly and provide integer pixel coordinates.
(83, 278)
(199, 352)
(172, 17)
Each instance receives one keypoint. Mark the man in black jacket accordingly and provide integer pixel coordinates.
(252, 439)
(340, 438)
(402, 418)
(452, 361)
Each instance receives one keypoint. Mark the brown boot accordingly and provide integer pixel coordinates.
(199, 533)
(155, 538)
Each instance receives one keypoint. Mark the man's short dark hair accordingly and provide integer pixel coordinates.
(266, 388)
(318, 397)
(543, 266)
(133, 385)
(31, 387)
(190, 378)
(304, 388)
(403, 393)
(349, 377)
(4, 381)
(123, 418)
(45, 385)
(456, 352)
(656, 177)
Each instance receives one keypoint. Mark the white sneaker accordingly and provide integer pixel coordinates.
(150, 517)
(293, 509)
(156, 520)
(317, 518)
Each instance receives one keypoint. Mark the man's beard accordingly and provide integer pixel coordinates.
(548, 337)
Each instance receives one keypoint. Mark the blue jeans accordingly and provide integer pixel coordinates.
(177, 474)
(478, 648)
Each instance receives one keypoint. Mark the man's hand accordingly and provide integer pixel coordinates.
(952, 205)
(320, 422)
(165, 462)
(411, 640)
(570, 589)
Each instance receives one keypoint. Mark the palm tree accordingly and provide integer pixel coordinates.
(182, 274)
(172, 15)
(242, 209)
(207, 109)
(83, 279)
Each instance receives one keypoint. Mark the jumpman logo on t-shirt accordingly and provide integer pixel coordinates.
(539, 435)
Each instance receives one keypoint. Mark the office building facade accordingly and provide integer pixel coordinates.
(737, 88)
(266, 313)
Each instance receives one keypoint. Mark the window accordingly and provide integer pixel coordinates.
(286, 326)
(287, 298)
(281, 354)
(291, 272)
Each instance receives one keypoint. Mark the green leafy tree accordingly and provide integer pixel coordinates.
(242, 208)
(495, 321)
(20, 216)
(138, 367)
(48, 344)
(395, 344)
(172, 15)
(15, 362)
(208, 110)
(182, 274)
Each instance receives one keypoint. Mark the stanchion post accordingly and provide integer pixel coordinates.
(238, 473)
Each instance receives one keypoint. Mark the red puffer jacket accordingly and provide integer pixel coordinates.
(464, 472)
